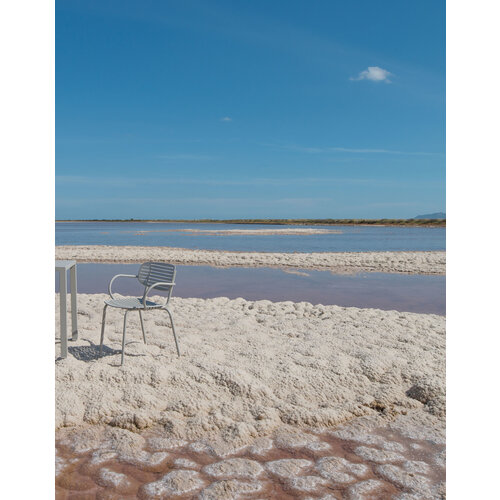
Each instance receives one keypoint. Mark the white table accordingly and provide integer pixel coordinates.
(62, 266)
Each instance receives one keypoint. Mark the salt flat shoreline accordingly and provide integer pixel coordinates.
(354, 398)
(248, 368)
(411, 262)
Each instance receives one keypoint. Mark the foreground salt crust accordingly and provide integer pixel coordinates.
(389, 262)
(286, 469)
(248, 368)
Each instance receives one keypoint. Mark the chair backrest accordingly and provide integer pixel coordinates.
(155, 272)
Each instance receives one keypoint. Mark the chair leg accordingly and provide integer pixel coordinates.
(124, 331)
(102, 328)
(173, 330)
(142, 326)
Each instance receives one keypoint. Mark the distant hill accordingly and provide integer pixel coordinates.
(437, 215)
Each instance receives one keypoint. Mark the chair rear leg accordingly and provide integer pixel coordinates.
(142, 326)
(173, 330)
(124, 332)
(102, 328)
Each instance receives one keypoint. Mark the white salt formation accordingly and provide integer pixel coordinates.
(244, 232)
(346, 262)
(248, 368)
(340, 471)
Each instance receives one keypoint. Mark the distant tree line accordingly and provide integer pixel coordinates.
(363, 222)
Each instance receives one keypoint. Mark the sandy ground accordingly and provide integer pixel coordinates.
(387, 262)
(248, 368)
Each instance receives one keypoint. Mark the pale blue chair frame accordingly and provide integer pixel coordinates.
(153, 275)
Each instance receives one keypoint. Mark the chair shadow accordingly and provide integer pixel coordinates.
(91, 352)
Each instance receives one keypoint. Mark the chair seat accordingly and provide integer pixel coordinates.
(132, 303)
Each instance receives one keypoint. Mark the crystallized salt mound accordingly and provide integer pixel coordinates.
(247, 368)
(105, 439)
(113, 479)
(340, 470)
(366, 489)
(288, 467)
(389, 262)
(403, 479)
(261, 446)
(229, 489)
(306, 483)
(177, 482)
(234, 467)
(430, 392)
(379, 456)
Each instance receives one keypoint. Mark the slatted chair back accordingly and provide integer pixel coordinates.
(157, 272)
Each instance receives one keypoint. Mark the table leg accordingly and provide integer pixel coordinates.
(64, 328)
(74, 325)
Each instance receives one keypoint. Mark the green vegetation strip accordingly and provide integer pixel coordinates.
(308, 222)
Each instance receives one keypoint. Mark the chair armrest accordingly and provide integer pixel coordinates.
(119, 276)
(160, 283)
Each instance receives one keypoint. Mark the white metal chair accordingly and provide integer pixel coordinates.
(153, 275)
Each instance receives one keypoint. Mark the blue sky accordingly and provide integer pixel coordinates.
(237, 109)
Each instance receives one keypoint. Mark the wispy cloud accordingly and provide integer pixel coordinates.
(226, 119)
(323, 150)
(119, 182)
(184, 156)
(375, 74)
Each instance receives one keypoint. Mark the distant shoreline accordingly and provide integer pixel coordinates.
(302, 222)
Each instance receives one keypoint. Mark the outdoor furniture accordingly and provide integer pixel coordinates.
(62, 267)
(153, 275)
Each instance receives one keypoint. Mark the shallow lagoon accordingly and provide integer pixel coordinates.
(401, 292)
(350, 238)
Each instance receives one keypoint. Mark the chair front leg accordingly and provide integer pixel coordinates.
(142, 326)
(102, 328)
(173, 331)
(124, 332)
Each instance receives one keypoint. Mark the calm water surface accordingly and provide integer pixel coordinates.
(351, 239)
(401, 292)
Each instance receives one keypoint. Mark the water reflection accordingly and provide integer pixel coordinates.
(411, 293)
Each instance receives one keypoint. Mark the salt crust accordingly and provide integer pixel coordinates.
(402, 478)
(340, 470)
(144, 458)
(379, 456)
(234, 467)
(261, 446)
(288, 467)
(112, 479)
(162, 444)
(186, 463)
(177, 482)
(248, 368)
(429, 262)
(306, 483)
(364, 490)
(246, 232)
(295, 472)
(229, 489)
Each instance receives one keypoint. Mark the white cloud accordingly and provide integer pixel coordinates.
(226, 119)
(375, 74)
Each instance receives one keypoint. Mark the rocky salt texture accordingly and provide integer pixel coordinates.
(432, 262)
(247, 368)
(288, 469)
